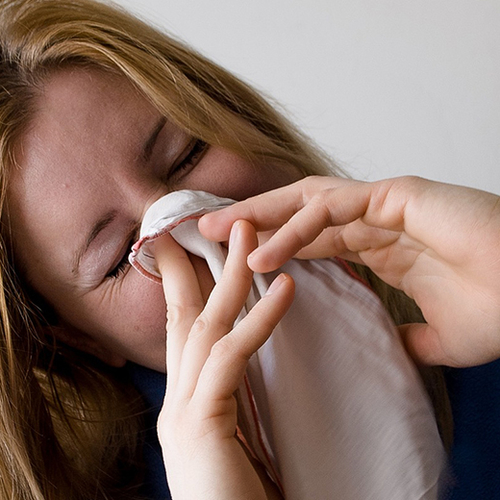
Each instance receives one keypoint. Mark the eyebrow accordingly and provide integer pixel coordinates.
(150, 143)
(101, 224)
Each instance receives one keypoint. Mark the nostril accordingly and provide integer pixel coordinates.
(176, 213)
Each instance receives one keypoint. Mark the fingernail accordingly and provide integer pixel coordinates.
(276, 284)
(253, 254)
(235, 229)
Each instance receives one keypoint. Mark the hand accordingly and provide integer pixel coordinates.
(206, 361)
(438, 243)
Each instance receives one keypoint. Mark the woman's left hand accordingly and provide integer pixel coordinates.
(437, 242)
(206, 361)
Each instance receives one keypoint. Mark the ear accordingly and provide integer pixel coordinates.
(83, 342)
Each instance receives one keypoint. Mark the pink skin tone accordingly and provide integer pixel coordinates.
(206, 359)
(82, 160)
(437, 242)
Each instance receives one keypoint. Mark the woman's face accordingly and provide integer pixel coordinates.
(95, 157)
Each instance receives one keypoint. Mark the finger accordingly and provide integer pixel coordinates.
(223, 307)
(349, 242)
(266, 211)
(298, 232)
(262, 211)
(325, 210)
(227, 300)
(424, 346)
(182, 294)
(428, 346)
(228, 360)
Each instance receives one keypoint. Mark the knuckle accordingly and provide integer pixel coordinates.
(408, 184)
(296, 238)
(174, 320)
(224, 348)
(321, 203)
(200, 327)
(320, 199)
(177, 314)
(253, 213)
(311, 180)
(311, 184)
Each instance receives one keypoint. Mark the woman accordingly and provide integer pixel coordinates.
(61, 281)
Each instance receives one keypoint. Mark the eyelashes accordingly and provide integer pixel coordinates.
(123, 265)
(120, 268)
(195, 151)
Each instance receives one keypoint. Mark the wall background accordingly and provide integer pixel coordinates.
(388, 87)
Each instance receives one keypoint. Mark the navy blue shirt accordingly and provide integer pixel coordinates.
(475, 456)
(151, 385)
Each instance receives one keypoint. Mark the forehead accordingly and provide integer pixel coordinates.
(84, 120)
(85, 126)
(80, 110)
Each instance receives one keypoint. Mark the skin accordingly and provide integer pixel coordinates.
(206, 359)
(96, 156)
(437, 242)
(81, 159)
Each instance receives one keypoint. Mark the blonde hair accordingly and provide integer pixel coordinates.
(55, 409)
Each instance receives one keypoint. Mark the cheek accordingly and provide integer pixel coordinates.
(141, 309)
(128, 318)
(135, 325)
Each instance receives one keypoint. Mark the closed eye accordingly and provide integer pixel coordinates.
(123, 264)
(120, 268)
(190, 157)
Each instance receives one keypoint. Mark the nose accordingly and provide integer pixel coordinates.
(139, 194)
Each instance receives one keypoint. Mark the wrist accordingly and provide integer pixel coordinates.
(212, 469)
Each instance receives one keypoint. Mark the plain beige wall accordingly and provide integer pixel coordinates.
(389, 87)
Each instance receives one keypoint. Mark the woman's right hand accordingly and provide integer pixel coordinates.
(206, 361)
(438, 243)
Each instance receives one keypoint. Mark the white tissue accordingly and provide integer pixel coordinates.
(177, 213)
(331, 404)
